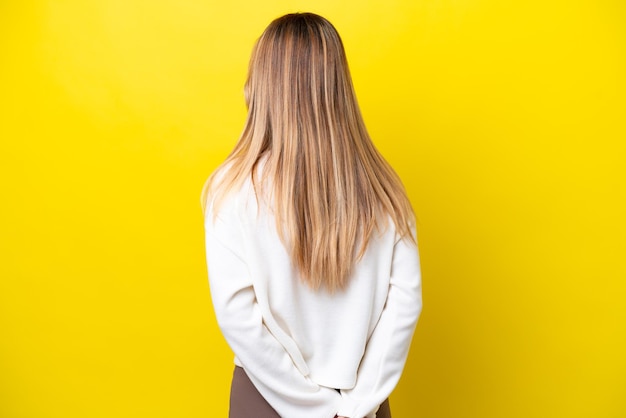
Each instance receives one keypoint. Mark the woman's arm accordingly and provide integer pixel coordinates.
(388, 346)
(264, 359)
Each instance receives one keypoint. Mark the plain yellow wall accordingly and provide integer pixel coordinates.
(504, 118)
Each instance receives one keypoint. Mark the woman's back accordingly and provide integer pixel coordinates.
(306, 332)
(310, 237)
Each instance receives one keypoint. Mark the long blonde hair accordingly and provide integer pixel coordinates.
(330, 187)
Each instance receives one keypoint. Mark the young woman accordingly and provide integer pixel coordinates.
(311, 250)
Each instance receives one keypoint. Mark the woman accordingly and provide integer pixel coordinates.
(310, 239)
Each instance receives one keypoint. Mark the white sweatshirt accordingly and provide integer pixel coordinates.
(297, 345)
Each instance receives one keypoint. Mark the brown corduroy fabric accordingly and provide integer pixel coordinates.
(247, 402)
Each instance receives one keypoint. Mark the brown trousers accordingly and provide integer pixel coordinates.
(247, 402)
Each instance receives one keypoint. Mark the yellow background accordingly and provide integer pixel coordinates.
(504, 118)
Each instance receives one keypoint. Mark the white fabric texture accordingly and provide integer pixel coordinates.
(297, 345)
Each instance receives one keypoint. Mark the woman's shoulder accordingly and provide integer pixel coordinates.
(227, 198)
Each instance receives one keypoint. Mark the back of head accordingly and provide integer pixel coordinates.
(299, 78)
(329, 186)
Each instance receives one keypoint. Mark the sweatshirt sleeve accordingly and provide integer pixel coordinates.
(388, 346)
(265, 360)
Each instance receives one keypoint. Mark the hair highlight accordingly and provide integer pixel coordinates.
(329, 186)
